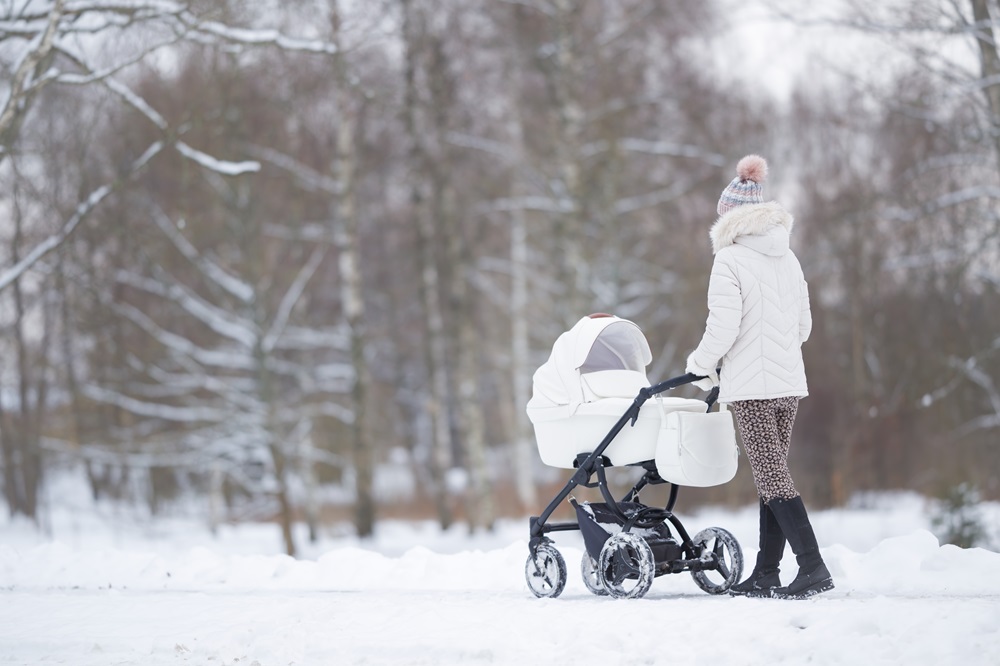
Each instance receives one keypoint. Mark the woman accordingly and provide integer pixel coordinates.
(758, 318)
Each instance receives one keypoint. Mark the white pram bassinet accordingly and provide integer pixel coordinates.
(592, 407)
(594, 372)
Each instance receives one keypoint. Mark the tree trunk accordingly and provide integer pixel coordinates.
(346, 220)
(469, 354)
(434, 338)
(573, 272)
(8, 456)
(286, 516)
(482, 513)
(310, 483)
(26, 444)
(523, 444)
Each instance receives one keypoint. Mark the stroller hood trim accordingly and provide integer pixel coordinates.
(593, 344)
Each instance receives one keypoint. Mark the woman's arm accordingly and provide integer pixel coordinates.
(725, 312)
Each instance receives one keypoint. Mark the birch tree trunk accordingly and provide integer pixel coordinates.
(346, 221)
(573, 273)
(434, 339)
(523, 452)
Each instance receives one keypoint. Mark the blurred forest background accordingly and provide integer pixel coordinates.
(297, 261)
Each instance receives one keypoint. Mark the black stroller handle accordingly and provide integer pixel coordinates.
(647, 393)
(674, 383)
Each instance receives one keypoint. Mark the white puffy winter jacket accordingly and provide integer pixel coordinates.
(758, 307)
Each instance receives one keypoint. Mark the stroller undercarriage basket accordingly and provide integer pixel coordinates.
(598, 523)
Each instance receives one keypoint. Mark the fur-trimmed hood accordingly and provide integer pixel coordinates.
(764, 227)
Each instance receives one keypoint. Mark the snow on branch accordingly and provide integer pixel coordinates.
(505, 152)
(948, 200)
(91, 75)
(155, 410)
(538, 5)
(309, 232)
(223, 167)
(137, 102)
(240, 392)
(91, 202)
(632, 204)
(669, 149)
(124, 6)
(330, 409)
(20, 85)
(479, 143)
(536, 203)
(252, 37)
(230, 283)
(96, 453)
(976, 374)
(292, 297)
(308, 177)
(297, 338)
(217, 319)
(223, 359)
(972, 370)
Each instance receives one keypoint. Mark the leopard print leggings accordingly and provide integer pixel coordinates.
(766, 427)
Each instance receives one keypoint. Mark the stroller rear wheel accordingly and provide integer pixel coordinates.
(545, 571)
(592, 577)
(720, 550)
(626, 566)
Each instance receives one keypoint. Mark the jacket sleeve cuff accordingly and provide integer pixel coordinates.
(695, 368)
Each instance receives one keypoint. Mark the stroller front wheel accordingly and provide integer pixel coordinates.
(545, 571)
(722, 556)
(627, 566)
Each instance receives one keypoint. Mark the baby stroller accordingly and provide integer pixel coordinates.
(595, 382)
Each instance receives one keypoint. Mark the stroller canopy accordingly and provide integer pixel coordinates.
(595, 343)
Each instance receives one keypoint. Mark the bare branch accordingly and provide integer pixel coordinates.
(230, 283)
(155, 410)
(219, 320)
(669, 149)
(21, 89)
(82, 210)
(228, 359)
(308, 177)
(291, 297)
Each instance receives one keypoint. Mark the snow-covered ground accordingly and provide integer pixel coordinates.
(107, 588)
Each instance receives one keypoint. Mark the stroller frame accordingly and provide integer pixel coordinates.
(630, 556)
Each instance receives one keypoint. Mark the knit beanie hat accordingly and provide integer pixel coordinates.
(745, 188)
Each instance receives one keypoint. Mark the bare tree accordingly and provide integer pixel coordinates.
(350, 110)
(439, 395)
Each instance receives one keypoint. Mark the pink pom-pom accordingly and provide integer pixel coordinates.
(752, 167)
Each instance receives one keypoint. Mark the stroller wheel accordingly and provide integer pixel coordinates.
(592, 577)
(545, 571)
(627, 566)
(721, 552)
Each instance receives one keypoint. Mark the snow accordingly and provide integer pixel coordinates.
(224, 167)
(110, 586)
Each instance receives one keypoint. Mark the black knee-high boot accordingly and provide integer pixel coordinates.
(813, 576)
(772, 547)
